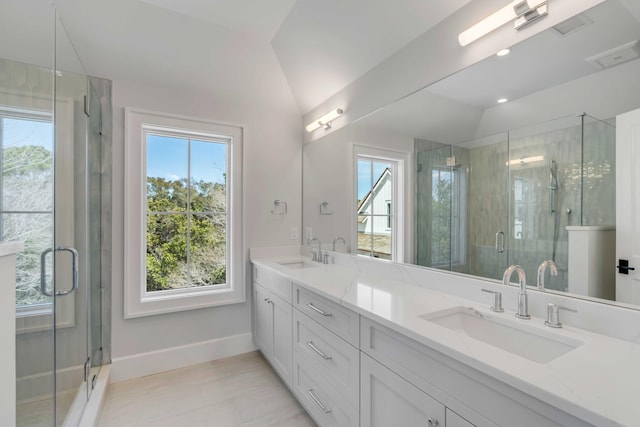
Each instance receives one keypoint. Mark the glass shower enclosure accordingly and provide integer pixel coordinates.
(485, 204)
(51, 164)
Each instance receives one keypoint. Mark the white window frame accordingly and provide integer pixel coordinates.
(400, 209)
(137, 301)
(38, 317)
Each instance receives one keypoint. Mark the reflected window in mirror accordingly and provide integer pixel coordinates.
(378, 206)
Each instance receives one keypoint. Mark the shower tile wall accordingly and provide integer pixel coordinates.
(599, 190)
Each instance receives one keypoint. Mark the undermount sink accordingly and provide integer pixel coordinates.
(296, 264)
(506, 334)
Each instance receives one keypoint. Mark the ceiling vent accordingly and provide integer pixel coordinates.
(572, 25)
(617, 55)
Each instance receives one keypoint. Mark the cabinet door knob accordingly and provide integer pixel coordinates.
(433, 422)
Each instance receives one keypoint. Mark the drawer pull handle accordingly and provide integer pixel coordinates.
(317, 350)
(268, 301)
(317, 402)
(433, 422)
(317, 310)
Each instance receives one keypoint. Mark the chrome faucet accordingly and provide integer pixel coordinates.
(523, 304)
(553, 267)
(338, 239)
(317, 256)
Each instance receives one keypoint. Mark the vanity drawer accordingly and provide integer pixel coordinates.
(342, 322)
(475, 396)
(274, 282)
(338, 361)
(325, 404)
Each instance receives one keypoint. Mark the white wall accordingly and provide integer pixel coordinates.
(272, 161)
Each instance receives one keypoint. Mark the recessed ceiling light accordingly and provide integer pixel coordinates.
(503, 52)
(502, 100)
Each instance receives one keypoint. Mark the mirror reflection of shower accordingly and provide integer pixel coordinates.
(553, 203)
(528, 184)
(553, 186)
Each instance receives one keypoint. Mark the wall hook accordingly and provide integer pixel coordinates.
(324, 209)
(279, 207)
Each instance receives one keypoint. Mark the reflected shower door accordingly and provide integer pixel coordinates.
(488, 206)
(545, 191)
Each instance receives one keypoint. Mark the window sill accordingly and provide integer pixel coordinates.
(171, 302)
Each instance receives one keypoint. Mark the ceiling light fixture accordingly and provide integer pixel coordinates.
(522, 12)
(325, 120)
(503, 52)
(502, 100)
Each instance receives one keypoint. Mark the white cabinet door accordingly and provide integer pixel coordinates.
(263, 319)
(386, 399)
(282, 337)
(628, 205)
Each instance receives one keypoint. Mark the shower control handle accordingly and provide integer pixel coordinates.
(500, 242)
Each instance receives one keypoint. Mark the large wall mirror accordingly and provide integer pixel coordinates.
(450, 178)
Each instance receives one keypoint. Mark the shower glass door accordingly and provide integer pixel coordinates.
(71, 234)
(488, 205)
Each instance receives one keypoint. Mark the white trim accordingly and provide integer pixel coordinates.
(154, 362)
(137, 302)
(93, 408)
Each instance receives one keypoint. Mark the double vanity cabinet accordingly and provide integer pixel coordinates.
(348, 369)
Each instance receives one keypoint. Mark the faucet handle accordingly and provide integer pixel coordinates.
(497, 301)
(553, 315)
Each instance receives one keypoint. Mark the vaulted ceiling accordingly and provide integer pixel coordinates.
(276, 52)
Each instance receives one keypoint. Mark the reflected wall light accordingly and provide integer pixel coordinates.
(521, 12)
(524, 161)
(325, 120)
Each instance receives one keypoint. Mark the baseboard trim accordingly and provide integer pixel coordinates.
(154, 362)
(35, 387)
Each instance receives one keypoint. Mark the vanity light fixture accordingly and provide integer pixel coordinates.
(503, 52)
(521, 12)
(325, 120)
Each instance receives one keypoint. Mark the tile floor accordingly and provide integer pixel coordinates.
(39, 413)
(240, 391)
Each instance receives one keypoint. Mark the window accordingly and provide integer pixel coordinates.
(379, 207)
(183, 222)
(27, 200)
(26, 205)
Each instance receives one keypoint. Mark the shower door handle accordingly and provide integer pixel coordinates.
(43, 272)
(500, 242)
(74, 271)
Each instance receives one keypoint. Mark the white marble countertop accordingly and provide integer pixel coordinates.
(598, 382)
